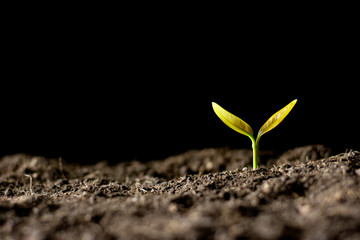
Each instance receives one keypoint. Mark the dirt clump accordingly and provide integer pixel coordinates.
(304, 193)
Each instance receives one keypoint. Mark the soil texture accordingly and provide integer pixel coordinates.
(305, 193)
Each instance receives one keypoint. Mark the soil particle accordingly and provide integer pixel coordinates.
(304, 193)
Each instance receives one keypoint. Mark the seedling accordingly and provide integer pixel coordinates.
(242, 127)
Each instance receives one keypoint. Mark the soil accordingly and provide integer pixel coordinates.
(305, 193)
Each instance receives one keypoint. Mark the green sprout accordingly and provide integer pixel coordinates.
(242, 127)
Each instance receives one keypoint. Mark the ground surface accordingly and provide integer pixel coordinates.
(304, 193)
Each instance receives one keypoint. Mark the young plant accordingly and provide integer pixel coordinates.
(242, 127)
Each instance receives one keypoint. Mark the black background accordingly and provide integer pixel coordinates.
(87, 86)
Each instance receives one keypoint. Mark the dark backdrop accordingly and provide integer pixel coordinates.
(93, 89)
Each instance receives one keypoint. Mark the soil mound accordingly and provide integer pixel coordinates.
(304, 193)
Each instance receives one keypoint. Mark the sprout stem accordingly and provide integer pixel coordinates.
(255, 155)
(255, 148)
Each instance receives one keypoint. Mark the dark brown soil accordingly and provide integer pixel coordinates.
(202, 194)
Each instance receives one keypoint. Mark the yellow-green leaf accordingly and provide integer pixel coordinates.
(277, 118)
(233, 121)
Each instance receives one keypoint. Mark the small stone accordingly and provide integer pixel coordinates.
(9, 192)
